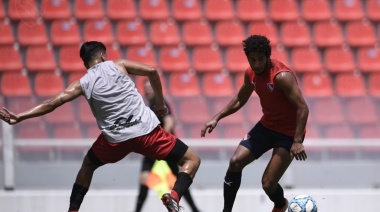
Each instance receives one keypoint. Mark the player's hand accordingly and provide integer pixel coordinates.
(209, 127)
(298, 151)
(8, 116)
(161, 110)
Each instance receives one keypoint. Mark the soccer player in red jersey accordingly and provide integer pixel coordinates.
(126, 123)
(281, 128)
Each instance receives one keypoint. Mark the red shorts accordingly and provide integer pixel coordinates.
(157, 144)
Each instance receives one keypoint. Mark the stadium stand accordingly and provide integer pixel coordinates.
(53, 9)
(229, 33)
(316, 10)
(153, 10)
(185, 10)
(88, 9)
(184, 84)
(64, 32)
(197, 33)
(6, 31)
(131, 32)
(31, 32)
(219, 10)
(254, 10)
(10, 59)
(22, 10)
(348, 10)
(40, 58)
(174, 59)
(121, 10)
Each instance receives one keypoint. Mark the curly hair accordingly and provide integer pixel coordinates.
(90, 50)
(257, 43)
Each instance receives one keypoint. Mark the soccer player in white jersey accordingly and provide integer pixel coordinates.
(126, 123)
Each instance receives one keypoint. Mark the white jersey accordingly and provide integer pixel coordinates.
(119, 109)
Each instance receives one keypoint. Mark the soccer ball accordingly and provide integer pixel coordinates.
(302, 203)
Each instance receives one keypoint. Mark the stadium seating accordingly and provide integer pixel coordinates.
(48, 84)
(100, 30)
(217, 85)
(197, 33)
(88, 9)
(374, 85)
(317, 85)
(32, 32)
(113, 52)
(360, 33)
(131, 32)
(234, 119)
(218, 10)
(40, 58)
(174, 59)
(55, 9)
(253, 111)
(339, 59)
(266, 28)
(74, 76)
(23, 103)
(22, 10)
(7, 37)
(65, 33)
(372, 131)
(62, 115)
(186, 10)
(328, 34)
(279, 53)
(207, 59)
(236, 60)
(154, 10)
(186, 109)
(236, 131)
(84, 112)
(350, 85)
(229, 33)
(140, 80)
(334, 114)
(283, 10)
(33, 132)
(164, 33)
(348, 10)
(361, 111)
(15, 84)
(253, 10)
(142, 54)
(373, 10)
(121, 10)
(184, 84)
(305, 59)
(340, 132)
(2, 11)
(368, 59)
(69, 60)
(10, 59)
(295, 33)
(316, 10)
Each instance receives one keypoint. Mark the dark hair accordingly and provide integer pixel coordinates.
(257, 43)
(90, 50)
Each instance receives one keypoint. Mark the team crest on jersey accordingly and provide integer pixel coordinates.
(270, 86)
(246, 136)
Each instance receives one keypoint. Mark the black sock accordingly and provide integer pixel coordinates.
(182, 183)
(190, 201)
(77, 195)
(278, 197)
(143, 193)
(232, 182)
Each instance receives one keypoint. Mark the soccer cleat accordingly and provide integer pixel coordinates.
(170, 203)
(283, 209)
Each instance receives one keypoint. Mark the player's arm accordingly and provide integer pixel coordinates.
(139, 69)
(71, 92)
(287, 83)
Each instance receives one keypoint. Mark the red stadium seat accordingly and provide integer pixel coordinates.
(369, 59)
(327, 111)
(253, 10)
(372, 131)
(374, 85)
(186, 109)
(186, 10)
(65, 33)
(2, 11)
(218, 10)
(236, 118)
(266, 28)
(279, 53)
(85, 115)
(295, 34)
(197, 33)
(348, 10)
(235, 131)
(131, 32)
(283, 10)
(164, 33)
(33, 132)
(22, 10)
(15, 84)
(32, 33)
(113, 52)
(236, 60)
(93, 132)
(121, 10)
(10, 59)
(100, 30)
(40, 58)
(195, 132)
(62, 115)
(55, 9)
(228, 33)
(339, 59)
(88, 9)
(350, 85)
(312, 132)
(70, 132)
(361, 111)
(48, 84)
(154, 10)
(317, 85)
(142, 54)
(239, 80)
(207, 59)
(305, 59)
(328, 34)
(140, 80)
(360, 33)
(69, 59)
(7, 37)
(184, 84)
(174, 59)
(217, 85)
(339, 132)
(20, 104)
(253, 111)
(74, 76)
(373, 10)
(316, 10)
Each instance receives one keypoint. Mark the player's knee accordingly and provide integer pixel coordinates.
(236, 164)
(268, 185)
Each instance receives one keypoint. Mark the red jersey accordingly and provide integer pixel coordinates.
(279, 114)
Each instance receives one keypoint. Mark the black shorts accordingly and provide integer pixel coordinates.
(261, 139)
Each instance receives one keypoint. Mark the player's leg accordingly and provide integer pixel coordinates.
(147, 164)
(277, 166)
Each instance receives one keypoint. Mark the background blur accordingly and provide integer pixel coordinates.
(332, 45)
